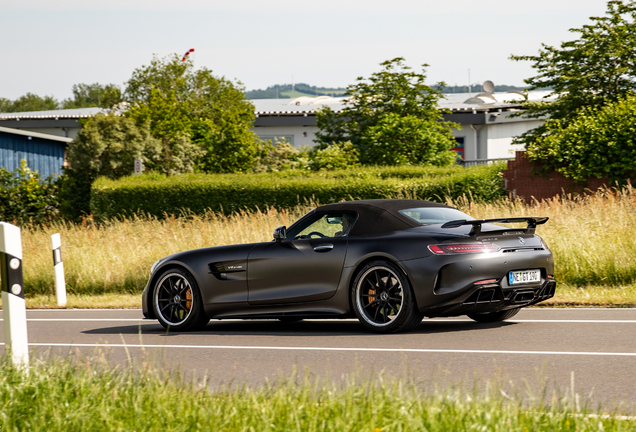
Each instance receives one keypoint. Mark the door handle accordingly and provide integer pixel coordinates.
(323, 247)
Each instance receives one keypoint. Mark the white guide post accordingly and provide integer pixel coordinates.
(14, 308)
(58, 266)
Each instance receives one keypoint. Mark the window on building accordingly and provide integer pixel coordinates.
(459, 147)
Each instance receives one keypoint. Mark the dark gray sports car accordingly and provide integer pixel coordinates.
(387, 262)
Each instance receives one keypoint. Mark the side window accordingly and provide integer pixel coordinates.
(324, 226)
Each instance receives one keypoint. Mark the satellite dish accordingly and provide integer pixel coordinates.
(488, 86)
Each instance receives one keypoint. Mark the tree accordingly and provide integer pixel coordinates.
(212, 112)
(94, 95)
(29, 102)
(394, 103)
(172, 128)
(590, 72)
(598, 142)
(107, 145)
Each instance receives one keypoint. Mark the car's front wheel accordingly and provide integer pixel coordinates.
(490, 317)
(382, 298)
(177, 301)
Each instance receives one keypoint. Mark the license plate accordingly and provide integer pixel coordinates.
(524, 277)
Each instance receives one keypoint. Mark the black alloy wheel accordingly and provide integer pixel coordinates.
(490, 317)
(177, 301)
(383, 300)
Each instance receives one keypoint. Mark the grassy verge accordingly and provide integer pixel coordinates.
(74, 301)
(87, 395)
(593, 296)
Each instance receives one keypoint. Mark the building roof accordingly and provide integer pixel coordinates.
(456, 102)
(62, 113)
(35, 134)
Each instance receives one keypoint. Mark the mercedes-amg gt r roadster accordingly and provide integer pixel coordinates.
(387, 262)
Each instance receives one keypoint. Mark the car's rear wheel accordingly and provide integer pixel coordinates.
(177, 301)
(382, 298)
(490, 317)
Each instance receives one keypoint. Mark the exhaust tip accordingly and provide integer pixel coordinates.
(521, 297)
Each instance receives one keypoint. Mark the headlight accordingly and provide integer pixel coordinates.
(154, 266)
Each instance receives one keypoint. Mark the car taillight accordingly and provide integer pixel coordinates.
(450, 249)
(485, 281)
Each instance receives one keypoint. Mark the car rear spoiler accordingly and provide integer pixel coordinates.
(476, 230)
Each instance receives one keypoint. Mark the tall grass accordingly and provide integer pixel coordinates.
(593, 239)
(91, 395)
(117, 255)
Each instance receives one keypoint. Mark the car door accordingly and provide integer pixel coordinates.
(306, 266)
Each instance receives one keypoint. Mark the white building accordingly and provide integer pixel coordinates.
(487, 124)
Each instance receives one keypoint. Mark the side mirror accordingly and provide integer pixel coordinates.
(280, 233)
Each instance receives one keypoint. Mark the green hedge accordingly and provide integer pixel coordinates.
(227, 193)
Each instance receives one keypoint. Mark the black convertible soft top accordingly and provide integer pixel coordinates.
(379, 216)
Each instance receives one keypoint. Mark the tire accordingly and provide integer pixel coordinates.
(177, 302)
(382, 298)
(491, 317)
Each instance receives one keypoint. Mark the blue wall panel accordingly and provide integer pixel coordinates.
(42, 155)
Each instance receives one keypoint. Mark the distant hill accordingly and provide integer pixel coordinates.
(285, 91)
(477, 88)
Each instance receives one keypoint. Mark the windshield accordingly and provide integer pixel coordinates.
(434, 215)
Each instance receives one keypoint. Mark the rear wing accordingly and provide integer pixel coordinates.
(476, 230)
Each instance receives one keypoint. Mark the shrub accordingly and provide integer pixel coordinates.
(157, 195)
(27, 198)
(335, 156)
(279, 156)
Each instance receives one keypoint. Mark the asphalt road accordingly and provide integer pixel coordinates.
(590, 350)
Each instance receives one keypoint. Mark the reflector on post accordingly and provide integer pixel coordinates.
(14, 308)
(58, 266)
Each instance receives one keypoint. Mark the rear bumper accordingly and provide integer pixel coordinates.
(459, 285)
(493, 298)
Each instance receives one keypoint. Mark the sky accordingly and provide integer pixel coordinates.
(47, 46)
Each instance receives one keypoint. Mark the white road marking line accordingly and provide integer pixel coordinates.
(572, 321)
(88, 319)
(388, 350)
(441, 320)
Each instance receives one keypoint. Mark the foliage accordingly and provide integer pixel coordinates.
(282, 156)
(26, 198)
(587, 73)
(334, 157)
(84, 96)
(597, 142)
(178, 101)
(408, 140)
(393, 103)
(107, 145)
(29, 102)
(94, 95)
(279, 156)
(158, 195)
